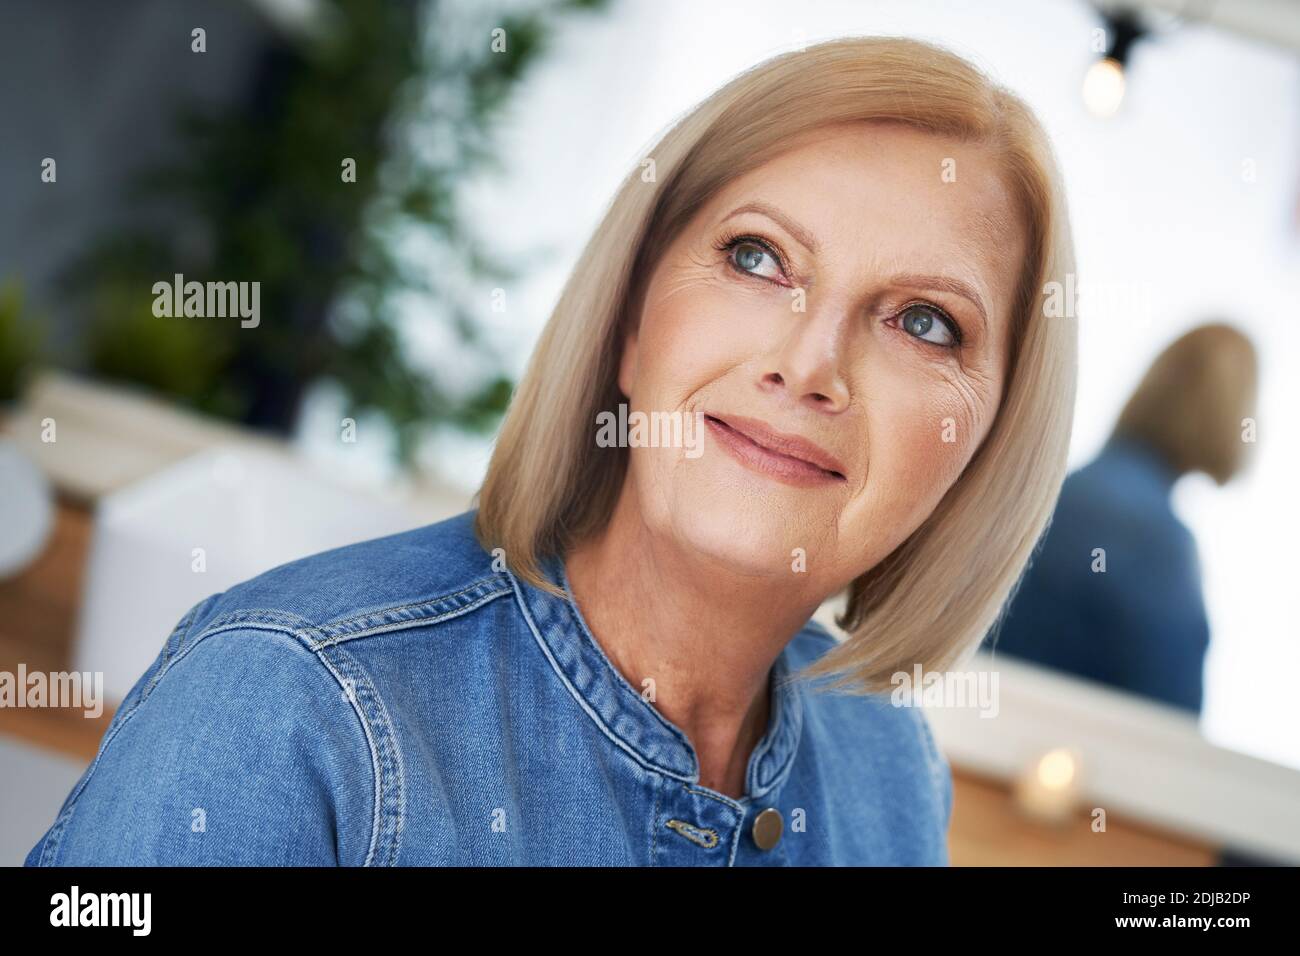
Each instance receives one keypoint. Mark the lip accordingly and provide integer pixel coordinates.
(789, 458)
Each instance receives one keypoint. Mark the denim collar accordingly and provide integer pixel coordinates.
(631, 722)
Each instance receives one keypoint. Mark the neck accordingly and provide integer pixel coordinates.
(706, 636)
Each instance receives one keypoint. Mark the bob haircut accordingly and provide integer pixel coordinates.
(933, 599)
(1192, 403)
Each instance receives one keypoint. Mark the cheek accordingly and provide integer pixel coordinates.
(923, 430)
(938, 429)
(693, 334)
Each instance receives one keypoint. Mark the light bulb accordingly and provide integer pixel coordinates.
(1048, 789)
(1103, 87)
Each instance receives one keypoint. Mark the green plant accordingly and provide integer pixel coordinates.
(261, 197)
(20, 340)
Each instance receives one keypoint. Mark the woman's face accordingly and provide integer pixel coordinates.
(840, 317)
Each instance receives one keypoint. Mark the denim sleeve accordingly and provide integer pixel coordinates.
(239, 748)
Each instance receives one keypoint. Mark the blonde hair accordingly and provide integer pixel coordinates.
(1190, 404)
(933, 599)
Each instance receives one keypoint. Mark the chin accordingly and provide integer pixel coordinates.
(735, 541)
(745, 533)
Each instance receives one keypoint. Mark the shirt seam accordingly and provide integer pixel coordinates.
(237, 622)
(318, 639)
(582, 701)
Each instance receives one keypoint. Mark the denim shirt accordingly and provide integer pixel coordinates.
(400, 702)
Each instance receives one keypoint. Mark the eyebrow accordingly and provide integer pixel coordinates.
(945, 284)
(912, 280)
(805, 237)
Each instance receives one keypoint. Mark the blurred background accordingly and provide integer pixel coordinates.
(410, 181)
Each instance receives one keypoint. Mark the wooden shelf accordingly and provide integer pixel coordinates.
(988, 830)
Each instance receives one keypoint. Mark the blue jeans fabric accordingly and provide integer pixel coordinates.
(400, 702)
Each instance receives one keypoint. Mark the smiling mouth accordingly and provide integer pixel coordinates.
(787, 458)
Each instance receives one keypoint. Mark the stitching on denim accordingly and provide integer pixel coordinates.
(298, 628)
(402, 625)
(721, 798)
(317, 636)
(654, 820)
(735, 844)
(571, 608)
(264, 620)
(376, 761)
(280, 621)
(184, 625)
(793, 699)
(60, 826)
(578, 696)
(494, 579)
(55, 836)
(756, 760)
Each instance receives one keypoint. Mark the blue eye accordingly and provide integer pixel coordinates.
(930, 325)
(753, 257)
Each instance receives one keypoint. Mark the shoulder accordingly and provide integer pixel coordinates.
(251, 679)
(883, 740)
(415, 577)
(252, 706)
(877, 713)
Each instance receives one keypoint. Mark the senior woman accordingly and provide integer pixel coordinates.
(836, 265)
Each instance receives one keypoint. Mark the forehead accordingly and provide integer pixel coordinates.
(890, 197)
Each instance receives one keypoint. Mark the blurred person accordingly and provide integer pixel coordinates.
(832, 283)
(1139, 624)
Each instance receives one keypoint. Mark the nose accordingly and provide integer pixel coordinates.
(809, 364)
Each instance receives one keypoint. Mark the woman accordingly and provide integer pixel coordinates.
(833, 268)
(1113, 594)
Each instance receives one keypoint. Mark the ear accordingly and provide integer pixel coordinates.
(627, 365)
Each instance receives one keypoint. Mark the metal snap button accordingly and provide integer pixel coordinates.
(767, 828)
